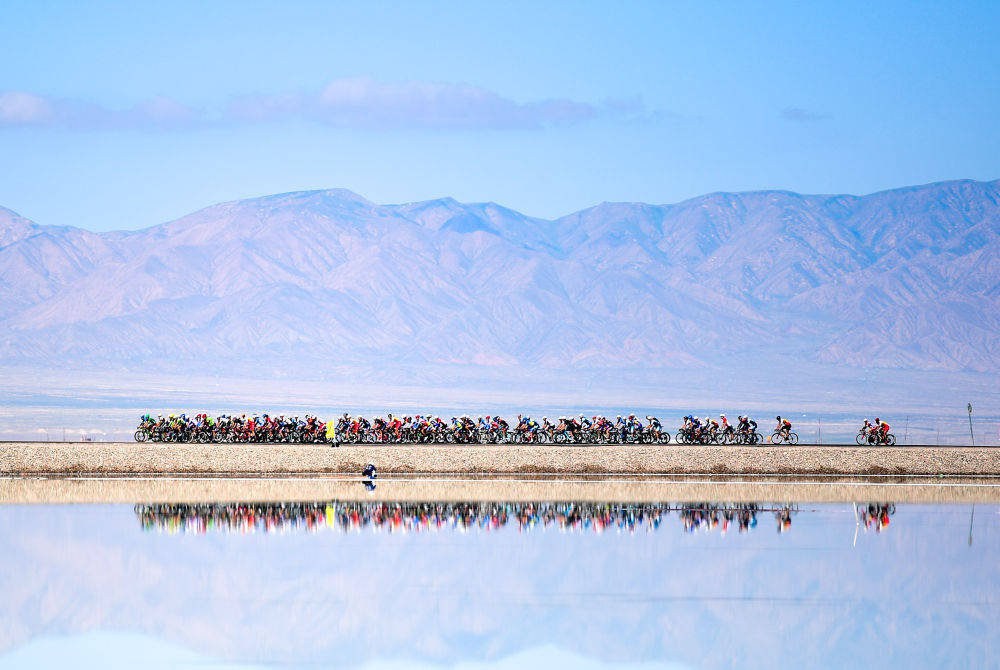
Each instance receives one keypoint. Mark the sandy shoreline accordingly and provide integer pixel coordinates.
(126, 458)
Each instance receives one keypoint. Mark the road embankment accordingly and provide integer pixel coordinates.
(118, 458)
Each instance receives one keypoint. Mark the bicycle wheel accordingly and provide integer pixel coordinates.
(775, 437)
(140, 436)
(860, 438)
(664, 437)
(793, 438)
(890, 440)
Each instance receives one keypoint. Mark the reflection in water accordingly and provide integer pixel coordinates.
(312, 584)
(423, 517)
(714, 517)
(875, 516)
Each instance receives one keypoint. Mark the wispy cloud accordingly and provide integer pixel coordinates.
(365, 103)
(18, 108)
(359, 102)
(801, 114)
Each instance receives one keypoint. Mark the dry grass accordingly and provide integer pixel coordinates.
(131, 490)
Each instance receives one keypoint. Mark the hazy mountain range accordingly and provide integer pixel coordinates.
(907, 278)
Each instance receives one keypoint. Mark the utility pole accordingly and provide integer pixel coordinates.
(819, 439)
(906, 429)
(971, 434)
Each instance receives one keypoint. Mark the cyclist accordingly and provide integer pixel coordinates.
(883, 430)
(784, 427)
(727, 428)
(574, 427)
(696, 427)
(522, 424)
(620, 428)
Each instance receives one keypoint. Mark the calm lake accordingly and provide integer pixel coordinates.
(500, 585)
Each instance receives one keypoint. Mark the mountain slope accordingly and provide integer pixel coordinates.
(907, 278)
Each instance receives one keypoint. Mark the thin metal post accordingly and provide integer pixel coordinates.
(819, 439)
(971, 434)
(906, 429)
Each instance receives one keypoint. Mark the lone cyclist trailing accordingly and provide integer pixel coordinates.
(783, 432)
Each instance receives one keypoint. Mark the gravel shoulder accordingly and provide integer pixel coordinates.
(120, 458)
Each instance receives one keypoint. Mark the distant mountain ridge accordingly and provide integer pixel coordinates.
(907, 278)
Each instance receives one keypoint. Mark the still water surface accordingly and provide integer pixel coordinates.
(486, 585)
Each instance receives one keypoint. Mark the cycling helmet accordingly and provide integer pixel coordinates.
(778, 418)
(722, 416)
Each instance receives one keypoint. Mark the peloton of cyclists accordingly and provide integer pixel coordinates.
(706, 430)
(489, 429)
(874, 433)
(746, 425)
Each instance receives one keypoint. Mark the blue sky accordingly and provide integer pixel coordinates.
(119, 116)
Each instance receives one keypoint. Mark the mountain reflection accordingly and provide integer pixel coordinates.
(471, 516)
(469, 584)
